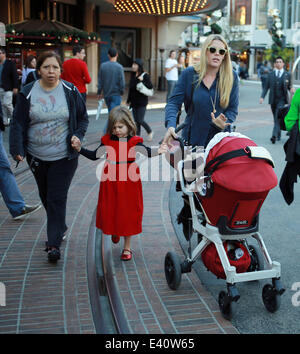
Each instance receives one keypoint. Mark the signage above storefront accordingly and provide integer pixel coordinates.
(167, 7)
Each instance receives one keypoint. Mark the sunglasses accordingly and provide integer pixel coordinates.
(220, 50)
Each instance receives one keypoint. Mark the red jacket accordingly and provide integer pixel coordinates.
(76, 72)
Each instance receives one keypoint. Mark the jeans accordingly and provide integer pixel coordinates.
(83, 94)
(111, 102)
(6, 98)
(138, 115)
(54, 179)
(171, 85)
(8, 186)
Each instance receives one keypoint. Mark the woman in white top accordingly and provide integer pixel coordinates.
(171, 68)
(29, 66)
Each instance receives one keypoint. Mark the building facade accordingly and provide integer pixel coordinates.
(251, 19)
(149, 37)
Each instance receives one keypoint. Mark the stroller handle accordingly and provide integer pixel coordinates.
(179, 139)
(177, 129)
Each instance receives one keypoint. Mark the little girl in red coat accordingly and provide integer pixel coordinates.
(120, 186)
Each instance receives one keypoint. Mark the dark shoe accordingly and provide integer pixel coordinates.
(53, 254)
(28, 209)
(115, 239)
(273, 139)
(126, 256)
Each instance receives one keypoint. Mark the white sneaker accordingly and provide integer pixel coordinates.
(150, 136)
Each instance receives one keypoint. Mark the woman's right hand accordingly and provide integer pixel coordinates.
(75, 143)
(169, 136)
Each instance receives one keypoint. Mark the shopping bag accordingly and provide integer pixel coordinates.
(100, 104)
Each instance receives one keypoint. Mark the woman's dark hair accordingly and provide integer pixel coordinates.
(46, 55)
(171, 51)
(29, 60)
(140, 64)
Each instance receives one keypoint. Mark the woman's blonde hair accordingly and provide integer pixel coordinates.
(123, 115)
(225, 80)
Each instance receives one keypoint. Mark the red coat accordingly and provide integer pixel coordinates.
(76, 71)
(120, 203)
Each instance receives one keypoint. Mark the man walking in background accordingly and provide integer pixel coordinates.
(111, 81)
(171, 68)
(279, 83)
(8, 85)
(75, 70)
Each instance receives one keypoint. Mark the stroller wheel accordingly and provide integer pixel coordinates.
(172, 270)
(226, 305)
(257, 259)
(271, 298)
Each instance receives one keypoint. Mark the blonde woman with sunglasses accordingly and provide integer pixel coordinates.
(208, 90)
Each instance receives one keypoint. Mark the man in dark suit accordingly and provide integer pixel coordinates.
(8, 85)
(280, 84)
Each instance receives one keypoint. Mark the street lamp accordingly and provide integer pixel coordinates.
(161, 80)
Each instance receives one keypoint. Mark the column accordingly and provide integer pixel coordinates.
(91, 48)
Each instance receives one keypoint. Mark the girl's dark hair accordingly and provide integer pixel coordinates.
(29, 60)
(46, 55)
(140, 64)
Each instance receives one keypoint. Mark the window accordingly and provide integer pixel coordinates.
(240, 12)
(261, 14)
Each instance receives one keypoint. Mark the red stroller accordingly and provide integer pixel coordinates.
(224, 209)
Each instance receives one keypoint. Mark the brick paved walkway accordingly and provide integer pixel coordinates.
(47, 298)
(151, 307)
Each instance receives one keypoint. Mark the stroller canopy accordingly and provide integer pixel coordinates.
(240, 174)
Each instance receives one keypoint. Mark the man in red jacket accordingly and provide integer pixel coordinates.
(75, 71)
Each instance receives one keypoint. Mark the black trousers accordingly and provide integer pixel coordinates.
(276, 128)
(54, 179)
(138, 115)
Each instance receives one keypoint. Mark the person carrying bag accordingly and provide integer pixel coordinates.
(140, 87)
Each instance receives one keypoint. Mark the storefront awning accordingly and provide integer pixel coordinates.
(49, 31)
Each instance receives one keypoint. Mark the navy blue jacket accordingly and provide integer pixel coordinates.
(199, 107)
(9, 76)
(2, 127)
(78, 119)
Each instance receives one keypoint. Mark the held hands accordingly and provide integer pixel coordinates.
(220, 121)
(75, 143)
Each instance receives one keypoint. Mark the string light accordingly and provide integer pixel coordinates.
(160, 7)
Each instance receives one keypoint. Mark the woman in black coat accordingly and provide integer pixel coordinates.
(138, 101)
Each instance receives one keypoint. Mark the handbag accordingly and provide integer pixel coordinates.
(143, 89)
(100, 104)
(281, 113)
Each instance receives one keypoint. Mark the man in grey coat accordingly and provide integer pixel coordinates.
(279, 83)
